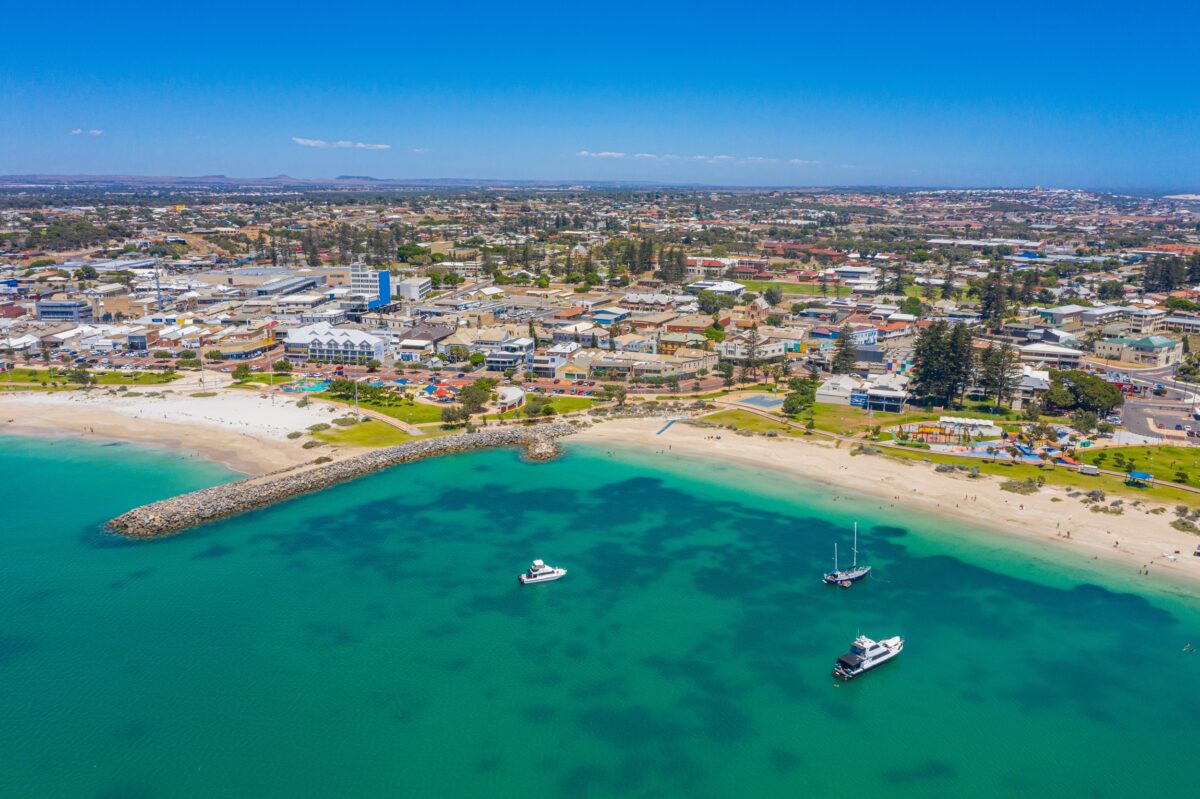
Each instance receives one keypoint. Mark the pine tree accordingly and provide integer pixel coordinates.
(845, 352)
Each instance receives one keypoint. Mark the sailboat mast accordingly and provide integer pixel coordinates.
(835, 566)
(855, 545)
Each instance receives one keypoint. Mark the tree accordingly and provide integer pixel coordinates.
(993, 299)
(215, 355)
(1083, 421)
(709, 302)
(455, 414)
(753, 350)
(241, 372)
(476, 359)
(373, 365)
(998, 372)
(773, 295)
(911, 306)
(473, 397)
(282, 367)
(802, 395)
(616, 392)
(845, 352)
(726, 370)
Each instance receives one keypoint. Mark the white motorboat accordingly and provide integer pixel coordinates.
(539, 572)
(865, 655)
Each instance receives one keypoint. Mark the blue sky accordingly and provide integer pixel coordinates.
(1051, 93)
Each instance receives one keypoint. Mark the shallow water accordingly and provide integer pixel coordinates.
(372, 640)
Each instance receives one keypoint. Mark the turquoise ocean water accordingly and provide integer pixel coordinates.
(372, 640)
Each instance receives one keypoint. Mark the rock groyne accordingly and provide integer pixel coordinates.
(170, 516)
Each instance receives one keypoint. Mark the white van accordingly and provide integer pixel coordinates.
(1089, 469)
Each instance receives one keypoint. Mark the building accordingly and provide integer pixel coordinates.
(374, 284)
(1150, 350)
(1051, 356)
(414, 288)
(737, 349)
(77, 311)
(684, 363)
(1145, 320)
(515, 354)
(326, 343)
(548, 363)
(719, 287)
(1068, 316)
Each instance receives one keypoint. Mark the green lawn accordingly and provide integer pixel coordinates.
(411, 412)
(745, 420)
(759, 286)
(137, 379)
(370, 433)
(561, 404)
(24, 375)
(1068, 478)
(1164, 462)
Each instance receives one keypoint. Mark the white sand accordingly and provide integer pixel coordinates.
(1133, 539)
(242, 429)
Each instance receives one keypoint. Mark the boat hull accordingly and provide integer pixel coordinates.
(894, 647)
(558, 574)
(845, 576)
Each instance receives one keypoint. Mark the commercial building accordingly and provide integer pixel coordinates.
(1150, 350)
(324, 342)
(414, 288)
(78, 311)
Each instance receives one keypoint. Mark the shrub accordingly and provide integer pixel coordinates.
(318, 427)
(294, 434)
(311, 444)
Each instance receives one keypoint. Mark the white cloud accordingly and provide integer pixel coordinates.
(76, 132)
(419, 150)
(340, 144)
(802, 162)
(741, 160)
(95, 132)
(81, 131)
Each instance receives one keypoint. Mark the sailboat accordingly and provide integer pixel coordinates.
(844, 577)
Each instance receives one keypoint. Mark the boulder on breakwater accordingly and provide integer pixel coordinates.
(173, 515)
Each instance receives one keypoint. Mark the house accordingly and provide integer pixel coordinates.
(1150, 350)
(633, 342)
(515, 353)
(670, 343)
(547, 364)
(737, 349)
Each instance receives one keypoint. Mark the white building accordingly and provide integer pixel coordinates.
(324, 342)
(414, 288)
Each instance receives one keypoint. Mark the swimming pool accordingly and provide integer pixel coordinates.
(306, 386)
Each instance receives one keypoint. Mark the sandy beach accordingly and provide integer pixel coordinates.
(1132, 539)
(241, 429)
(248, 433)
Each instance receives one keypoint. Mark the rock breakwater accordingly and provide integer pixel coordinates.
(170, 516)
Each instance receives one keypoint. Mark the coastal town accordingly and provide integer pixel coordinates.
(634, 401)
(1042, 337)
